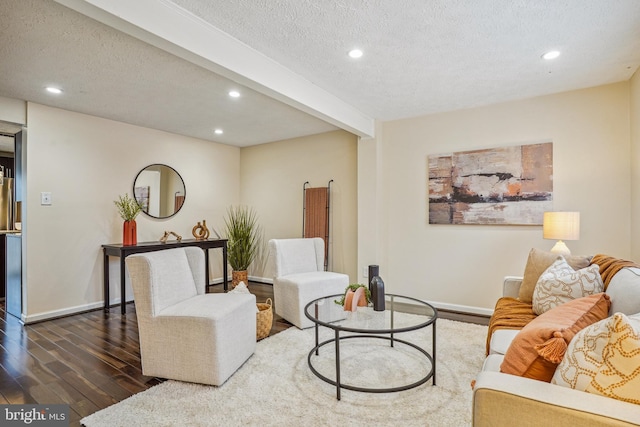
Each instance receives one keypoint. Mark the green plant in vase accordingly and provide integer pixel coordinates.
(244, 237)
(128, 209)
(349, 294)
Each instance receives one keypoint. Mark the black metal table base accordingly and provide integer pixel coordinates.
(338, 383)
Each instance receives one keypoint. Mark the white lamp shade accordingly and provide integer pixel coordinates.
(561, 225)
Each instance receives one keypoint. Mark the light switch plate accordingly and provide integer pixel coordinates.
(45, 198)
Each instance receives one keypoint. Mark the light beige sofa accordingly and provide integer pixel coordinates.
(501, 399)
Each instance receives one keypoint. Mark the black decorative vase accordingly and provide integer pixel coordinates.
(376, 287)
(373, 272)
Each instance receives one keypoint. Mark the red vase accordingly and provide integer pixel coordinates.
(129, 233)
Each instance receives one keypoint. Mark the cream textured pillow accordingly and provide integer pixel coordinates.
(537, 263)
(560, 283)
(604, 359)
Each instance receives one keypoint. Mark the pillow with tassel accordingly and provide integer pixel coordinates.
(539, 347)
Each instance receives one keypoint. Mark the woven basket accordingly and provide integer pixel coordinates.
(264, 319)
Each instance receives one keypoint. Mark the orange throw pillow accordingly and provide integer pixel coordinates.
(539, 347)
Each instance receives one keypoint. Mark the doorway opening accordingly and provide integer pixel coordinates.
(11, 214)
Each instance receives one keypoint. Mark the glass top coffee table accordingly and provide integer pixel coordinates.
(402, 314)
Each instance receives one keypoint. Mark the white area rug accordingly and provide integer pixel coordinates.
(276, 388)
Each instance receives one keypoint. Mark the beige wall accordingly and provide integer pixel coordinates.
(86, 162)
(372, 226)
(463, 266)
(635, 165)
(272, 178)
(379, 198)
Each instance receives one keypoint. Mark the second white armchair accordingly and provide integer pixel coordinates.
(299, 277)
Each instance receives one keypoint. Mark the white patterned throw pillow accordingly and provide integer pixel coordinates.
(603, 359)
(560, 283)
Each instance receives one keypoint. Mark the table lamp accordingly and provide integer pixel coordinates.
(561, 226)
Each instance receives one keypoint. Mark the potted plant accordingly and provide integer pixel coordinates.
(358, 292)
(128, 209)
(243, 236)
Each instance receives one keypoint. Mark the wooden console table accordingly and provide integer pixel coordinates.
(120, 251)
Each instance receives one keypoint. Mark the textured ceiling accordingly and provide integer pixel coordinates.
(420, 57)
(427, 56)
(109, 74)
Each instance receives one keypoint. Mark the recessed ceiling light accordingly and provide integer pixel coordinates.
(355, 53)
(218, 131)
(54, 90)
(234, 94)
(552, 54)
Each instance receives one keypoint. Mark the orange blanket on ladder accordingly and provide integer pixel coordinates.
(316, 217)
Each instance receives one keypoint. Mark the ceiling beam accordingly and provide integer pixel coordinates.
(167, 26)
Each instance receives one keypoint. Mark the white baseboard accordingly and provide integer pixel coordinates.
(261, 279)
(462, 308)
(441, 305)
(87, 307)
(64, 312)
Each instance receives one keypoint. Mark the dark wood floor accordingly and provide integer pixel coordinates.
(89, 360)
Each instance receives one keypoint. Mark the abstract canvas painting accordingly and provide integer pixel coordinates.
(508, 185)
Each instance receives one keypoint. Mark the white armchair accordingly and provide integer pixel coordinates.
(185, 333)
(299, 277)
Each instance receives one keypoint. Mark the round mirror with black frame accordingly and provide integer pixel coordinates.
(159, 190)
